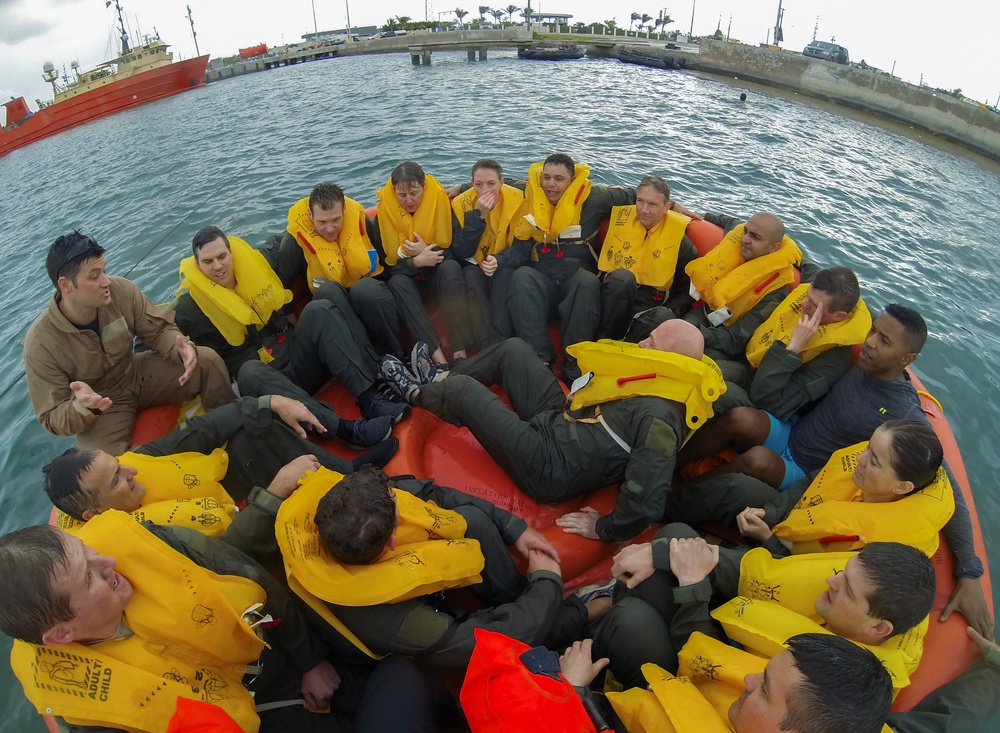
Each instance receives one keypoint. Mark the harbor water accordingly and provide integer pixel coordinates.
(917, 224)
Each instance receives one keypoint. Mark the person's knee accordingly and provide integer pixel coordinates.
(513, 351)
(762, 463)
(332, 291)
(618, 282)
(585, 283)
(747, 425)
(526, 279)
(251, 376)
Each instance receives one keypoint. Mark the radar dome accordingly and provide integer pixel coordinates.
(74, 65)
(47, 67)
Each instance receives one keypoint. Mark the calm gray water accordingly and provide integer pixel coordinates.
(918, 225)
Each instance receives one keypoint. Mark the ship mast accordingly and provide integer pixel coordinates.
(121, 27)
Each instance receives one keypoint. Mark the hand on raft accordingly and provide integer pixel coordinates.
(583, 523)
(532, 539)
(968, 600)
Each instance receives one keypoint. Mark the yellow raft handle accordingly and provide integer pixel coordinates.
(932, 398)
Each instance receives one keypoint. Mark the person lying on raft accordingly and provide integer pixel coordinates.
(874, 390)
(234, 302)
(415, 229)
(329, 242)
(879, 597)
(235, 453)
(84, 377)
(485, 218)
(892, 488)
(370, 557)
(643, 258)
(819, 684)
(554, 253)
(131, 611)
(554, 455)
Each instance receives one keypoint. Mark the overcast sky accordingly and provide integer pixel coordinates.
(952, 44)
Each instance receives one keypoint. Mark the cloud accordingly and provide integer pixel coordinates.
(17, 29)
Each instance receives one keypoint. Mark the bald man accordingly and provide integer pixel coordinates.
(554, 455)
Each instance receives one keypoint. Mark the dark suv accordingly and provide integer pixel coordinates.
(827, 52)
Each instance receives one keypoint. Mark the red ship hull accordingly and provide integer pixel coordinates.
(131, 92)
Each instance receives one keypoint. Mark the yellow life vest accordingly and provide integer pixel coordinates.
(183, 490)
(650, 256)
(796, 582)
(717, 669)
(544, 222)
(623, 370)
(431, 220)
(345, 261)
(783, 320)
(670, 705)
(189, 640)
(500, 221)
(258, 294)
(764, 627)
(431, 554)
(832, 507)
(724, 278)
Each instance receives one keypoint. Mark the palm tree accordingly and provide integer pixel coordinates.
(459, 13)
(664, 20)
(526, 14)
(611, 25)
(511, 9)
(497, 16)
(635, 17)
(645, 18)
(483, 10)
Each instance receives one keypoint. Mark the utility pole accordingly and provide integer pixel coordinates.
(729, 27)
(194, 33)
(691, 32)
(816, 28)
(347, 4)
(315, 29)
(778, 35)
(893, 72)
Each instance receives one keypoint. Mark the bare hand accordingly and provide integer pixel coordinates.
(189, 359)
(750, 522)
(804, 330)
(430, 257)
(286, 481)
(583, 523)
(538, 560)
(633, 564)
(968, 600)
(684, 211)
(533, 540)
(489, 265)
(89, 398)
(982, 644)
(319, 684)
(414, 247)
(577, 666)
(487, 201)
(294, 412)
(692, 559)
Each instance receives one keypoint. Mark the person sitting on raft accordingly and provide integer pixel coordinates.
(329, 242)
(485, 217)
(234, 303)
(235, 453)
(644, 256)
(142, 612)
(84, 377)
(415, 228)
(628, 434)
(554, 253)
(370, 558)
(879, 597)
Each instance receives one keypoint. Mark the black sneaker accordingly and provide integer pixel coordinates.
(372, 405)
(397, 376)
(423, 366)
(378, 456)
(367, 433)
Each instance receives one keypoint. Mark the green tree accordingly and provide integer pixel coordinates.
(719, 35)
(459, 13)
(611, 24)
(497, 16)
(526, 13)
(483, 10)
(510, 10)
(646, 18)
(635, 17)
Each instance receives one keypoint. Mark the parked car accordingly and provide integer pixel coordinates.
(390, 34)
(827, 52)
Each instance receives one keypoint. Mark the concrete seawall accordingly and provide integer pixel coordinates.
(967, 124)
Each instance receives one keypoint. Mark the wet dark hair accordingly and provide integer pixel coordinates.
(657, 184)
(905, 583)
(490, 164)
(913, 325)
(32, 605)
(64, 484)
(325, 195)
(356, 517)
(68, 253)
(407, 172)
(561, 159)
(916, 451)
(206, 235)
(841, 284)
(845, 687)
